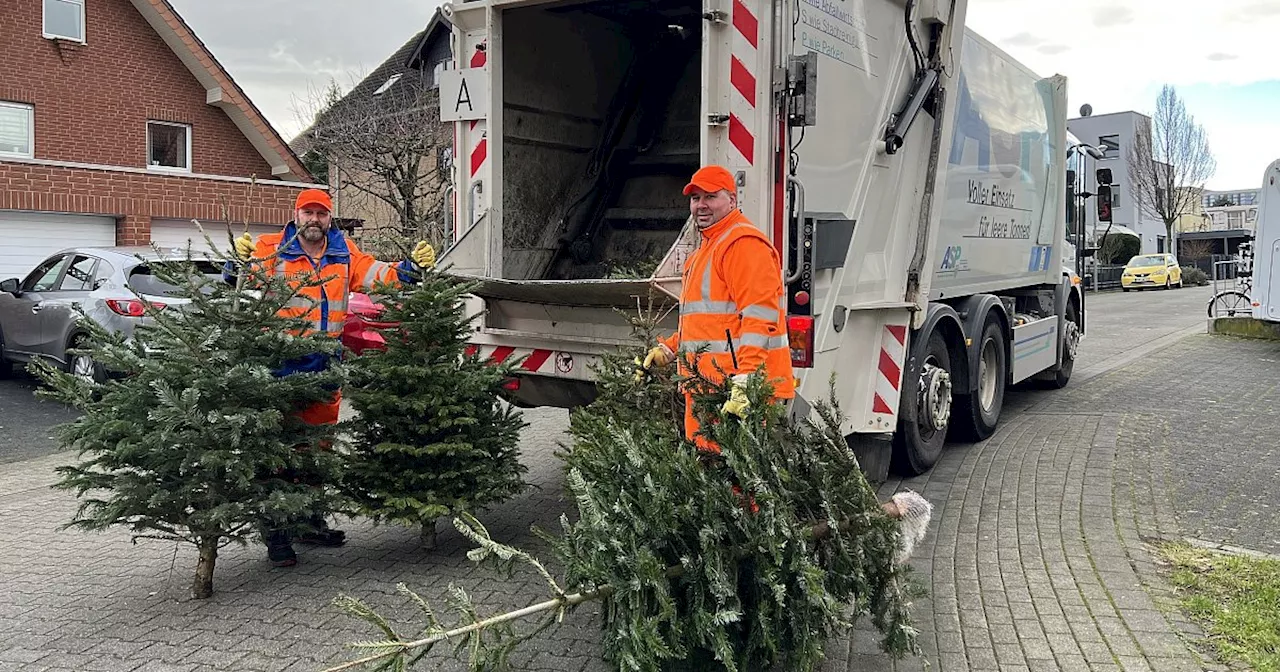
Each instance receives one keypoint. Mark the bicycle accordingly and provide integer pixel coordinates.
(1236, 300)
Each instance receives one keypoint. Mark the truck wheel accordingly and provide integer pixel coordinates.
(1070, 343)
(926, 408)
(978, 412)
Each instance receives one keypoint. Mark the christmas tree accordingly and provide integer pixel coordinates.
(193, 436)
(431, 438)
(749, 559)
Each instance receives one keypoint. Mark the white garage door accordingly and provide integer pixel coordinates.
(179, 233)
(27, 238)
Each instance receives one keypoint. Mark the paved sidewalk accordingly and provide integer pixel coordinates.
(1036, 559)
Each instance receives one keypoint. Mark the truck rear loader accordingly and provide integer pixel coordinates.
(911, 175)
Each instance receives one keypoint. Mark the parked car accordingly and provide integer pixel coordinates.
(1151, 270)
(38, 319)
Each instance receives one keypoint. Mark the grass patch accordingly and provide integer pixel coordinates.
(1235, 599)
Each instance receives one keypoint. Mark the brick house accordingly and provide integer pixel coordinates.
(118, 126)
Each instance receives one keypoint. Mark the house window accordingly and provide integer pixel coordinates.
(168, 146)
(17, 130)
(1110, 146)
(64, 19)
(435, 73)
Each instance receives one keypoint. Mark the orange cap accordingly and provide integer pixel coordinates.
(711, 179)
(313, 197)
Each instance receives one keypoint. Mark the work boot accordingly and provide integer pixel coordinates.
(322, 535)
(280, 551)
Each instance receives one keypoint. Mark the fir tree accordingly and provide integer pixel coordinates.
(193, 438)
(749, 560)
(431, 438)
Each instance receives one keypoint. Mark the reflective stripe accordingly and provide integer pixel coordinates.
(722, 346)
(760, 313)
(371, 275)
(301, 301)
(708, 308)
(763, 341)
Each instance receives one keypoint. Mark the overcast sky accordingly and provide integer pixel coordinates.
(1115, 53)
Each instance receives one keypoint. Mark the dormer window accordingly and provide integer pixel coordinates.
(391, 81)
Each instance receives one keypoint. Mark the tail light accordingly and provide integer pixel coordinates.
(800, 336)
(131, 307)
(511, 385)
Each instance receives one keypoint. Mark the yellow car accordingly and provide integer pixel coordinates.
(1151, 270)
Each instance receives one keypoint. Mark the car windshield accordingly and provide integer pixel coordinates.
(1149, 260)
(143, 281)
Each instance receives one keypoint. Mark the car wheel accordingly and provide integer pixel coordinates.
(82, 365)
(6, 367)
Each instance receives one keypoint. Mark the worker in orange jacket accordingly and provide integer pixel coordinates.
(311, 243)
(732, 304)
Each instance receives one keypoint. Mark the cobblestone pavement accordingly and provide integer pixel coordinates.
(1036, 559)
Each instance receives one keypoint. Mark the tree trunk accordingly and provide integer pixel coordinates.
(202, 588)
(429, 535)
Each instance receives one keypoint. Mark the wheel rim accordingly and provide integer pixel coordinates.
(1072, 338)
(82, 367)
(935, 397)
(988, 366)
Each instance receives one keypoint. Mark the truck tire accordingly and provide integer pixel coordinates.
(978, 412)
(925, 404)
(1070, 326)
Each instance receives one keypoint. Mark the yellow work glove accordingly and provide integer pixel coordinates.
(423, 255)
(659, 355)
(244, 246)
(738, 402)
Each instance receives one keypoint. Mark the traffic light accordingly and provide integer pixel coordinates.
(1104, 176)
(1104, 202)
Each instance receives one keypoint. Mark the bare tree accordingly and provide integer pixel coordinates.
(1195, 250)
(1170, 161)
(383, 143)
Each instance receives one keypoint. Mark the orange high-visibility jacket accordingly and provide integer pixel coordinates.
(733, 296)
(343, 267)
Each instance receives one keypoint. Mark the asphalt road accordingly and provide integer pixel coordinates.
(1117, 323)
(26, 423)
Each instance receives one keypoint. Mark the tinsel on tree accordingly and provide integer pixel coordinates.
(192, 438)
(748, 560)
(431, 438)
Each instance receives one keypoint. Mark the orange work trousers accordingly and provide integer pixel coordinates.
(322, 413)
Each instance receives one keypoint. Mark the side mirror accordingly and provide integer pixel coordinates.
(10, 286)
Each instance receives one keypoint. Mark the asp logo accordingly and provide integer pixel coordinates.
(951, 260)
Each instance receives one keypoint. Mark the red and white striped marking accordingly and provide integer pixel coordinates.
(742, 77)
(536, 360)
(893, 353)
(479, 142)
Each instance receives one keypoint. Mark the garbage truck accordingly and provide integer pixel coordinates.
(1265, 267)
(911, 175)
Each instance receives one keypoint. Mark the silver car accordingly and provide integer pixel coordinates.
(37, 318)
